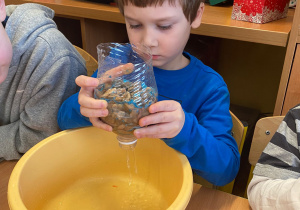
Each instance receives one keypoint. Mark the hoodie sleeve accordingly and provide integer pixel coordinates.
(69, 115)
(50, 82)
(207, 142)
(268, 194)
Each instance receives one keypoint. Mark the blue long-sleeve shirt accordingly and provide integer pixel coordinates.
(206, 135)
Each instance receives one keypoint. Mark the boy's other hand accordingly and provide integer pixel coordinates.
(90, 107)
(166, 120)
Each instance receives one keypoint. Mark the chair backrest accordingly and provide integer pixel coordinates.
(90, 62)
(239, 131)
(263, 132)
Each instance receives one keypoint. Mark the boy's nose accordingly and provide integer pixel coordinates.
(149, 39)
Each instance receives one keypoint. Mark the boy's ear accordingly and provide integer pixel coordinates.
(2, 11)
(197, 21)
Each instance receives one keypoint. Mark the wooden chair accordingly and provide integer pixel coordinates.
(264, 130)
(239, 131)
(90, 62)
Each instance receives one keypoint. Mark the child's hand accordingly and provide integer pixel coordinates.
(95, 108)
(90, 107)
(165, 121)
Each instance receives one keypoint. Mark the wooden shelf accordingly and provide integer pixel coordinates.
(216, 21)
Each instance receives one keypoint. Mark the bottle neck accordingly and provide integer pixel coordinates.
(127, 143)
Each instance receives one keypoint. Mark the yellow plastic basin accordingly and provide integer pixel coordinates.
(86, 169)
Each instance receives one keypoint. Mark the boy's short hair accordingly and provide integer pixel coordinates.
(189, 7)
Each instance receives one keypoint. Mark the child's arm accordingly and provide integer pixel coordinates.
(276, 183)
(268, 193)
(37, 121)
(205, 137)
(81, 109)
(89, 106)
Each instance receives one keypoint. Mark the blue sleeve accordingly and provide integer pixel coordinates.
(207, 142)
(69, 115)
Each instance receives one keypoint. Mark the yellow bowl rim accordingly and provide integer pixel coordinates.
(13, 191)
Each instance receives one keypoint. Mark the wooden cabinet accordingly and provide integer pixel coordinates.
(289, 89)
(103, 23)
(292, 96)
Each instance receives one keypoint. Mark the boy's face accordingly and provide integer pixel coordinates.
(164, 29)
(5, 46)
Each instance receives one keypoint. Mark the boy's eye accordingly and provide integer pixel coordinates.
(135, 26)
(165, 27)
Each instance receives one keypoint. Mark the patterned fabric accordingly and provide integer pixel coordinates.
(276, 177)
(281, 157)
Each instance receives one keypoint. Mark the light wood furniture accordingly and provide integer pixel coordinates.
(216, 21)
(6, 168)
(264, 130)
(239, 131)
(292, 96)
(98, 23)
(202, 197)
(289, 89)
(90, 62)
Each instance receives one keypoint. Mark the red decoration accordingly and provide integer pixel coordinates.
(259, 11)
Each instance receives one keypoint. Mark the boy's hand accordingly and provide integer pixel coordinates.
(165, 121)
(95, 108)
(90, 107)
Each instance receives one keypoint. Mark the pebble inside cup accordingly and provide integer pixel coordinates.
(128, 85)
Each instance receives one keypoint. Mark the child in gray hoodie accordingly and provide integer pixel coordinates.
(38, 67)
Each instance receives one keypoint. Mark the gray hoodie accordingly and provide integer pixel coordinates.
(41, 76)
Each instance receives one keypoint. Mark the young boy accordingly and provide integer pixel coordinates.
(192, 115)
(38, 66)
